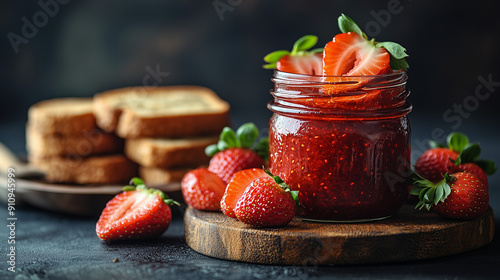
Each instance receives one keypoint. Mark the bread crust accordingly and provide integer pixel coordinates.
(153, 176)
(64, 116)
(111, 169)
(89, 143)
(133, 113)
(169, 153)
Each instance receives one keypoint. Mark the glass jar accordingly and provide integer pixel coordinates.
(343, 143)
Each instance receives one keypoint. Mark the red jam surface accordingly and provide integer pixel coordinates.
(347, 155)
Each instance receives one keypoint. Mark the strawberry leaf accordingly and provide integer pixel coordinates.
(229, 138)
(246, 135)
(304, 43)
(317, 50)
(346, 24)
(270, 66)
(487, 165)
(136, 181)
(275, 56)
(395, 50)
(470, 153)
(457, 141)
(262, 148)
(434, 144)
(211, 150)
(399, 64)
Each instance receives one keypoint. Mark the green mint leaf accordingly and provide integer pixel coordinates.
(346, 24)
(262, 148)
(470, 153)
(304, 43)
(211, 150)
(229, 137)
(275, 56)
(487, 165)
(457, 141)
(395, 50)
(136, 181)
(398, 64)
(247, 134)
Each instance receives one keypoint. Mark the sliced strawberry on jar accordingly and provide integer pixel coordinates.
(300, 60)
(308, 63)
(236, 188)
(351, 53)
(136, 213)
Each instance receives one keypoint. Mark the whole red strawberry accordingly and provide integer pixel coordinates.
(138, 212)
(237, 187)
(476, 170)
(458, 155)
(469, 199)
(267, 202)
(300, 60)
(202, 189)
(434, 163)
(228, 162)
(460, 195)
(237, 151)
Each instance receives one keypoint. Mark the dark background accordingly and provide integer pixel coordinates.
(91, 46)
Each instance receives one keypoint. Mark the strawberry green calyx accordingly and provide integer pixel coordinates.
(300, 48)
(395, 50)
(246, 136)
(429, 193)
(137, 184)
(468, 152)
(281, 183)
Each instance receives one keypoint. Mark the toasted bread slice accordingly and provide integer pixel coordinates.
(169, 153)
(176, 111)
(89, 143)
(63, 116)
(111, 169)
(153, 176)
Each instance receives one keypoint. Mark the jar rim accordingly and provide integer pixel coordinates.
(375, 96)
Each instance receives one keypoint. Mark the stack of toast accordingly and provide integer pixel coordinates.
(62, 139)
(162, 129)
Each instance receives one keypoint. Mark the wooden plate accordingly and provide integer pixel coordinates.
(81, 200)
(410, 235)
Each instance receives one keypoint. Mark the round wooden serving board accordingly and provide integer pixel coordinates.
(409, 235)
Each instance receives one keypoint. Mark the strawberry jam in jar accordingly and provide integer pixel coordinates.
(343, 142)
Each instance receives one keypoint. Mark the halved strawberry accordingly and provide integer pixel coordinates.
(352, 55)
(236, 188)
(309, 63)
(267, 202)
(300, 60)
(138, 212)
